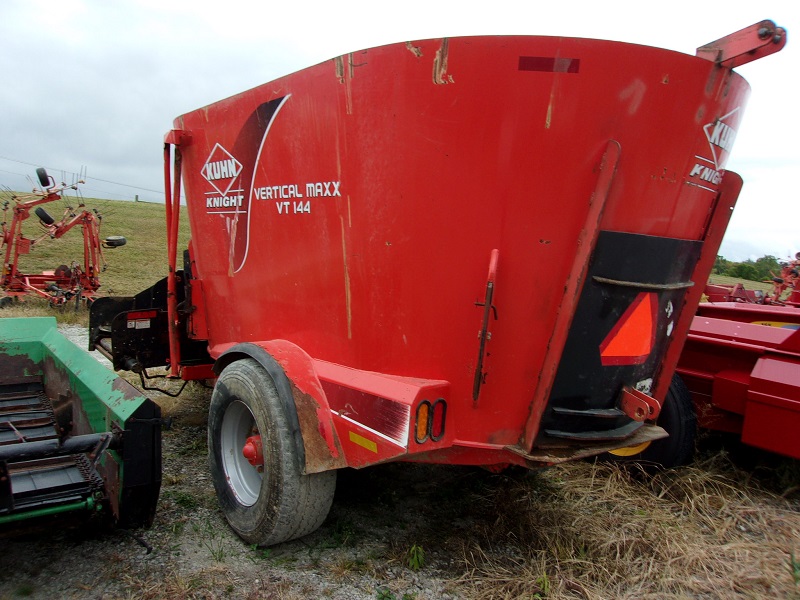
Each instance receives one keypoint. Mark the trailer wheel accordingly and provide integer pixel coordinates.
(274, 502)
(678, 419)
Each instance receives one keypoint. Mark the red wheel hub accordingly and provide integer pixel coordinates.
(253, 451)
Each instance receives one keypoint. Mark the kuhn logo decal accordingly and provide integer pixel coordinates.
(222, 171)
(720, 136)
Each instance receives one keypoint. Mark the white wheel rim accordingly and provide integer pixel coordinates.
(243, 478)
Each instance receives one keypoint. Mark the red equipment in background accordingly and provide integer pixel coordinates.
(787, 279)
(741, 364)
(463, 250)
(65, 282)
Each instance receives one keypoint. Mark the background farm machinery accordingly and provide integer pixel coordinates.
(76, 440)
(741, 364)
(785, 288)
(66, 282)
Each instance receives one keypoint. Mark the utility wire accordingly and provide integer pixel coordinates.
(135, 187)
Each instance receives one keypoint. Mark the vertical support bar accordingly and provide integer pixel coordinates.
(88, 271)
(722, 210)
(572, 290)
(88, 249)
(173, 199)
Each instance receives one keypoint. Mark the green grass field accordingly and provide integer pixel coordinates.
(750, 285)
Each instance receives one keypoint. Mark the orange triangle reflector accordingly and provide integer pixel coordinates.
(633, 337)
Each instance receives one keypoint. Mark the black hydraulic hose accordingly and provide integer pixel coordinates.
(72, 445)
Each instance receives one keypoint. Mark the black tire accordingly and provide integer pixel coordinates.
(677, 417)
(282, 503)
(44, 178)
(44, 216)
(115, 241)
(6, 301)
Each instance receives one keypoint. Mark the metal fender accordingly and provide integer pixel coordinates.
(307, 409)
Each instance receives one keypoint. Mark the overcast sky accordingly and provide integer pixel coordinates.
(95, 84)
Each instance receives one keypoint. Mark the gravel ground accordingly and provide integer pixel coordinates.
(420, 532)
(360, 552)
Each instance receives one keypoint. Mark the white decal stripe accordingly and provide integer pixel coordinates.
(402, 443)
(253, 180)
(229, 192)
(702, 187)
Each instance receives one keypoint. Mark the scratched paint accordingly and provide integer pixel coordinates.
(415, 50)
(440, 75)
(347, 299)
(345, 77)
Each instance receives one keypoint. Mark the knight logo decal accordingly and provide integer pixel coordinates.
(710, 166)
(230, 172)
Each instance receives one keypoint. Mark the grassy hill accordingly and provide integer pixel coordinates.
(130, 268)
(750, 285)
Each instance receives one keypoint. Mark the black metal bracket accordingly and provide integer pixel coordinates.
(484, 335)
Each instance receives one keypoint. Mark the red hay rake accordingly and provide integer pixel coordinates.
(64, 283)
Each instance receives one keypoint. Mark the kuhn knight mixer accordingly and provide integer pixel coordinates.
(477, 250)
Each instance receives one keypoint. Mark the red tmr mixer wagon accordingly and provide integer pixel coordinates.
(476, 251)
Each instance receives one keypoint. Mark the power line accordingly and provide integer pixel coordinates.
(135, 187)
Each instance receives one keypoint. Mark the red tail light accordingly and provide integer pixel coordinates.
(430, 421)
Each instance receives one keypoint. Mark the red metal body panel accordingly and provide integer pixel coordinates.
(352, 208)
(741, 364)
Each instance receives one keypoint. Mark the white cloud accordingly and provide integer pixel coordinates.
(96, 84)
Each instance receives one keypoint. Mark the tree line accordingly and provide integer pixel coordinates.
(761, 269)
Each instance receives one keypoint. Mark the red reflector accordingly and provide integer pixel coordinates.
(147, 314)
(632, 338)
(437, 423)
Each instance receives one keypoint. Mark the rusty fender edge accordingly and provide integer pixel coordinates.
(304, 401)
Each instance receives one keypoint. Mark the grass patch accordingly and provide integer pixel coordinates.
(343, 534)
(748, 285)
(597, 531)
(130, 268)
(181, 499)
(24, 590)
(415, 559)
